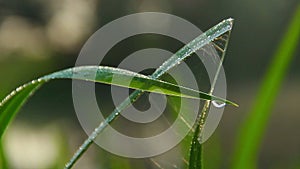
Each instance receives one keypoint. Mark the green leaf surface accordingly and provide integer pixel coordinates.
(196, 149)
(107, 75)
(218, 37)
(14, 101)
(3, 160)
(251, 133)
(195, 161)
(182, 54)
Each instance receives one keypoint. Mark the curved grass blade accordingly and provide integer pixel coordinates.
(192, 150)
(13, 102)
(251, 132)
(174, 60)
(191, 142)
(121, 77)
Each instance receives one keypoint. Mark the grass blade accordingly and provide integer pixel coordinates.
(3, 160)
(191, 147)
(175, 59)
(196, 149)
(251, 133)
(196, 158)
(13, 102)
(120, 77)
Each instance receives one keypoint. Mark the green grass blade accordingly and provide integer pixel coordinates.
(120, 77)
(191, 148)
(196, 158)
(3, 160)
(13, 102)
(174, 60)
(196, 149)
(251, 132)
(196, 44)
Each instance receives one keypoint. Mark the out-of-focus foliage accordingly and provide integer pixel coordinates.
(254, 126)
(39, 37)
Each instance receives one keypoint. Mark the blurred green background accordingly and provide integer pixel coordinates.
(39, 37)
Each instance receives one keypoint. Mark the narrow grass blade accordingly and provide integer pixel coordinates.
(190, 145)
(3, 160)
(174, 60)
(196, 158)
(13, 102)
(251, 133)
(128, 79)
(196, 151)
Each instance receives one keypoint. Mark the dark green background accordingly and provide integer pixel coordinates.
(258, 29)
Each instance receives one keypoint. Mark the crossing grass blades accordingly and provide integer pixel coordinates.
(218, 36)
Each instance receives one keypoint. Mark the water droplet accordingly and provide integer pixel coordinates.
(218, 104)
(33, 81)
(19, 88)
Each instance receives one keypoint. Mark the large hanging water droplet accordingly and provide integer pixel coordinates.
(218, 104)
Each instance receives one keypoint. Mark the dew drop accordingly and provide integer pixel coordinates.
(19, 88)
(33, 81)
(199, 139)
(218, 104)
